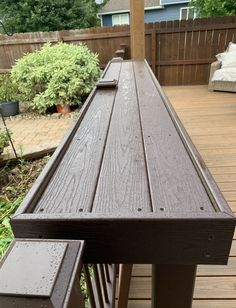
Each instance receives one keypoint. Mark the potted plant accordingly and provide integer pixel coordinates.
(61, 74)
(9, 105)
(4, 139)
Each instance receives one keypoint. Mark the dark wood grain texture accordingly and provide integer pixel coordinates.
(172, 286)
(200, 111)
(123, 183)
(148, 196)
(218, 201)
(167, 241)
(73, 184)
(35, 193)
(174, 183)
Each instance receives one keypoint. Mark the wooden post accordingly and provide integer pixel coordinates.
(124, 284)
(137, 29)
(173, 285)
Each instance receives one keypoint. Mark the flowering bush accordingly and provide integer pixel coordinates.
(56, 74)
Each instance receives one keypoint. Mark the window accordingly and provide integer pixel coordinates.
(187, 13)
(120, 19)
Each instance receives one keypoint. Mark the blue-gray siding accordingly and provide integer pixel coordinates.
(169, 12)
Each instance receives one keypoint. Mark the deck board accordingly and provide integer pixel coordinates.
(196, 304)
(124, 155)
(206, 287)
(210, 120)
(174, 183)
(144, 270)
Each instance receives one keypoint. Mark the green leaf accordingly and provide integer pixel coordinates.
(58, 74)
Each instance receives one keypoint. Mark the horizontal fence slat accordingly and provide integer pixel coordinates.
(27, 42)
(198, 28)
(186, 62)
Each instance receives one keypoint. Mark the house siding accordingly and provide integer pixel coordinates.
(171, 12)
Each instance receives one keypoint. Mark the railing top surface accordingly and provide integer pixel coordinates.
(128, 158)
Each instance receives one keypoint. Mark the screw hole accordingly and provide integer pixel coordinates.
(80, 210)
(41, 210)
(139, 209)
(202, 208)
(162, 209)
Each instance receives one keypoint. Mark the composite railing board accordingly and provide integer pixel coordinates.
(150, 197)
(174, 183)
(80, 166)
(148, 200)
(124, 155)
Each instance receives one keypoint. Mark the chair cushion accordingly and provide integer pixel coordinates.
(228, 59)
(231, 47)
(225, 74)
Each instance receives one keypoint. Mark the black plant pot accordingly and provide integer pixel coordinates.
(9, 108)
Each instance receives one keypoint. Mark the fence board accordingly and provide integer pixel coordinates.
(179, 52)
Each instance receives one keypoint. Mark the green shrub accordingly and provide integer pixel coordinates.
(7, 208)
(8, 90)
(59, 74)
(4, 139)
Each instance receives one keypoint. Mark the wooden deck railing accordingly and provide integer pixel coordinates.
(129, 182)
(47, 273)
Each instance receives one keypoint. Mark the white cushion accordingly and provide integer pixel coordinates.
(220, 56)
(228, 59)
(231, 47)
(225, 74)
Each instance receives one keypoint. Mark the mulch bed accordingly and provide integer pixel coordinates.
(16, 180)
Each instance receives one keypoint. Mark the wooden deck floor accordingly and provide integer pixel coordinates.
(210, 119)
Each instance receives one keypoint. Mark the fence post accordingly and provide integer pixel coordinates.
(59, 37)
(154, 49)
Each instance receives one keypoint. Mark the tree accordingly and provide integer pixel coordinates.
(48, 15)
(208, 8)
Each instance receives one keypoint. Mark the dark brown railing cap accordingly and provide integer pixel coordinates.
(39, 273)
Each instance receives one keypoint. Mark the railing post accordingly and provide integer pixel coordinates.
(42, 273)
(137, 29)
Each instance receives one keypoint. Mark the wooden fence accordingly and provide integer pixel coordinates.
(179, 52)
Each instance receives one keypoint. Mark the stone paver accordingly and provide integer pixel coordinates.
(36, 135)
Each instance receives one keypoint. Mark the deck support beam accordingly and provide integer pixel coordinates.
(173, 285)
(137, 29)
